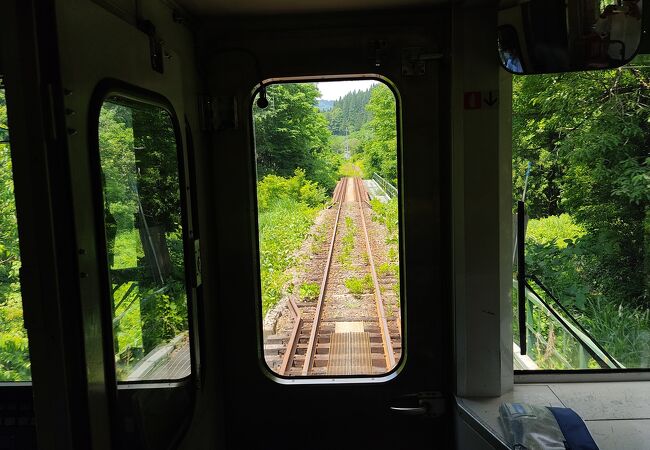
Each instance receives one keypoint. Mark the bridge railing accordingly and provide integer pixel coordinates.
(388, 188)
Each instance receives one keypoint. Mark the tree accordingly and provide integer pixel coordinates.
(291, 133)
(380, 134)
(14, 350)
(349, 113)
(588, 136)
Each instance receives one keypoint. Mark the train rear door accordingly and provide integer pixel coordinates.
(289, 382)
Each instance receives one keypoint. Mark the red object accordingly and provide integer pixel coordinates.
(473, 100)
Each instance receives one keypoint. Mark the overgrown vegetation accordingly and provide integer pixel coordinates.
(14, 351)
(309, 291)
(388, 215)
(587, 136)
(347, 243)
(287, 208)
(359, 286)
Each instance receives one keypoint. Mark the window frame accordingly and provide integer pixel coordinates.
(339, 379)
(103, 91)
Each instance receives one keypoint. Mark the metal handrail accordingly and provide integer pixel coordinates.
(603, 359)
(388, 188)
(575, 321)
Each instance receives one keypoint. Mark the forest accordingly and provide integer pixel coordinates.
(586, 137)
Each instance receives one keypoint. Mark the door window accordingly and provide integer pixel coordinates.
(144, 241)
(328, 217)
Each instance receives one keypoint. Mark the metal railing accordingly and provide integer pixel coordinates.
(388, 188)
(559, 315)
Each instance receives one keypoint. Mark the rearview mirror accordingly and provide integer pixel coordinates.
(544, 36)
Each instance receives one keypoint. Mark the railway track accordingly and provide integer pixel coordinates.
(326, 337)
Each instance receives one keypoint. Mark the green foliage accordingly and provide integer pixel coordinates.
(347, 243)
(298, 188)
(318, 237)
(349, 113)
(118, 162)
(282, 228)
(587, 135)
(358, 286)
(350, 169)
(387, 214)
(142, 214)
(163, 313)
(388, 269)
(127, 328)
(291, 133)
(561, 230)
(309, 291)
(14, 350)
(622, 329)
(397, 292)
(551, 254)
(379, 134)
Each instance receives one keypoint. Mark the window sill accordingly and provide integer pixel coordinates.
(617, 414)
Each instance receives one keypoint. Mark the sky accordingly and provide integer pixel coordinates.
(333, 90)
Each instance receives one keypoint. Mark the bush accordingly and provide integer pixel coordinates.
(282, 228)
(273, 188)
(552, 255)
(560, 230)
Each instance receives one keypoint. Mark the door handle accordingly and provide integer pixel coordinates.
(428, 404)
(414, 411)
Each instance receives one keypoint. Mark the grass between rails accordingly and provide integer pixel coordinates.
(358, 286)
(347, 241)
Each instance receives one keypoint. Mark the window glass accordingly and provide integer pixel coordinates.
(327, 193)
(581, 164)
(144, 238)
(14, 350)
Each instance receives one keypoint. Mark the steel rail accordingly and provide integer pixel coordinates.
(381, 315)
(293, 340)
(311, 347)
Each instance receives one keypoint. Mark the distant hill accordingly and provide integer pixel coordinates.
(348, 114)
(325, 105)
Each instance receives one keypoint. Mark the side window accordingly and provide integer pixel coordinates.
(14, 351)
(581, 168)
(144, 240)
(328, 216)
